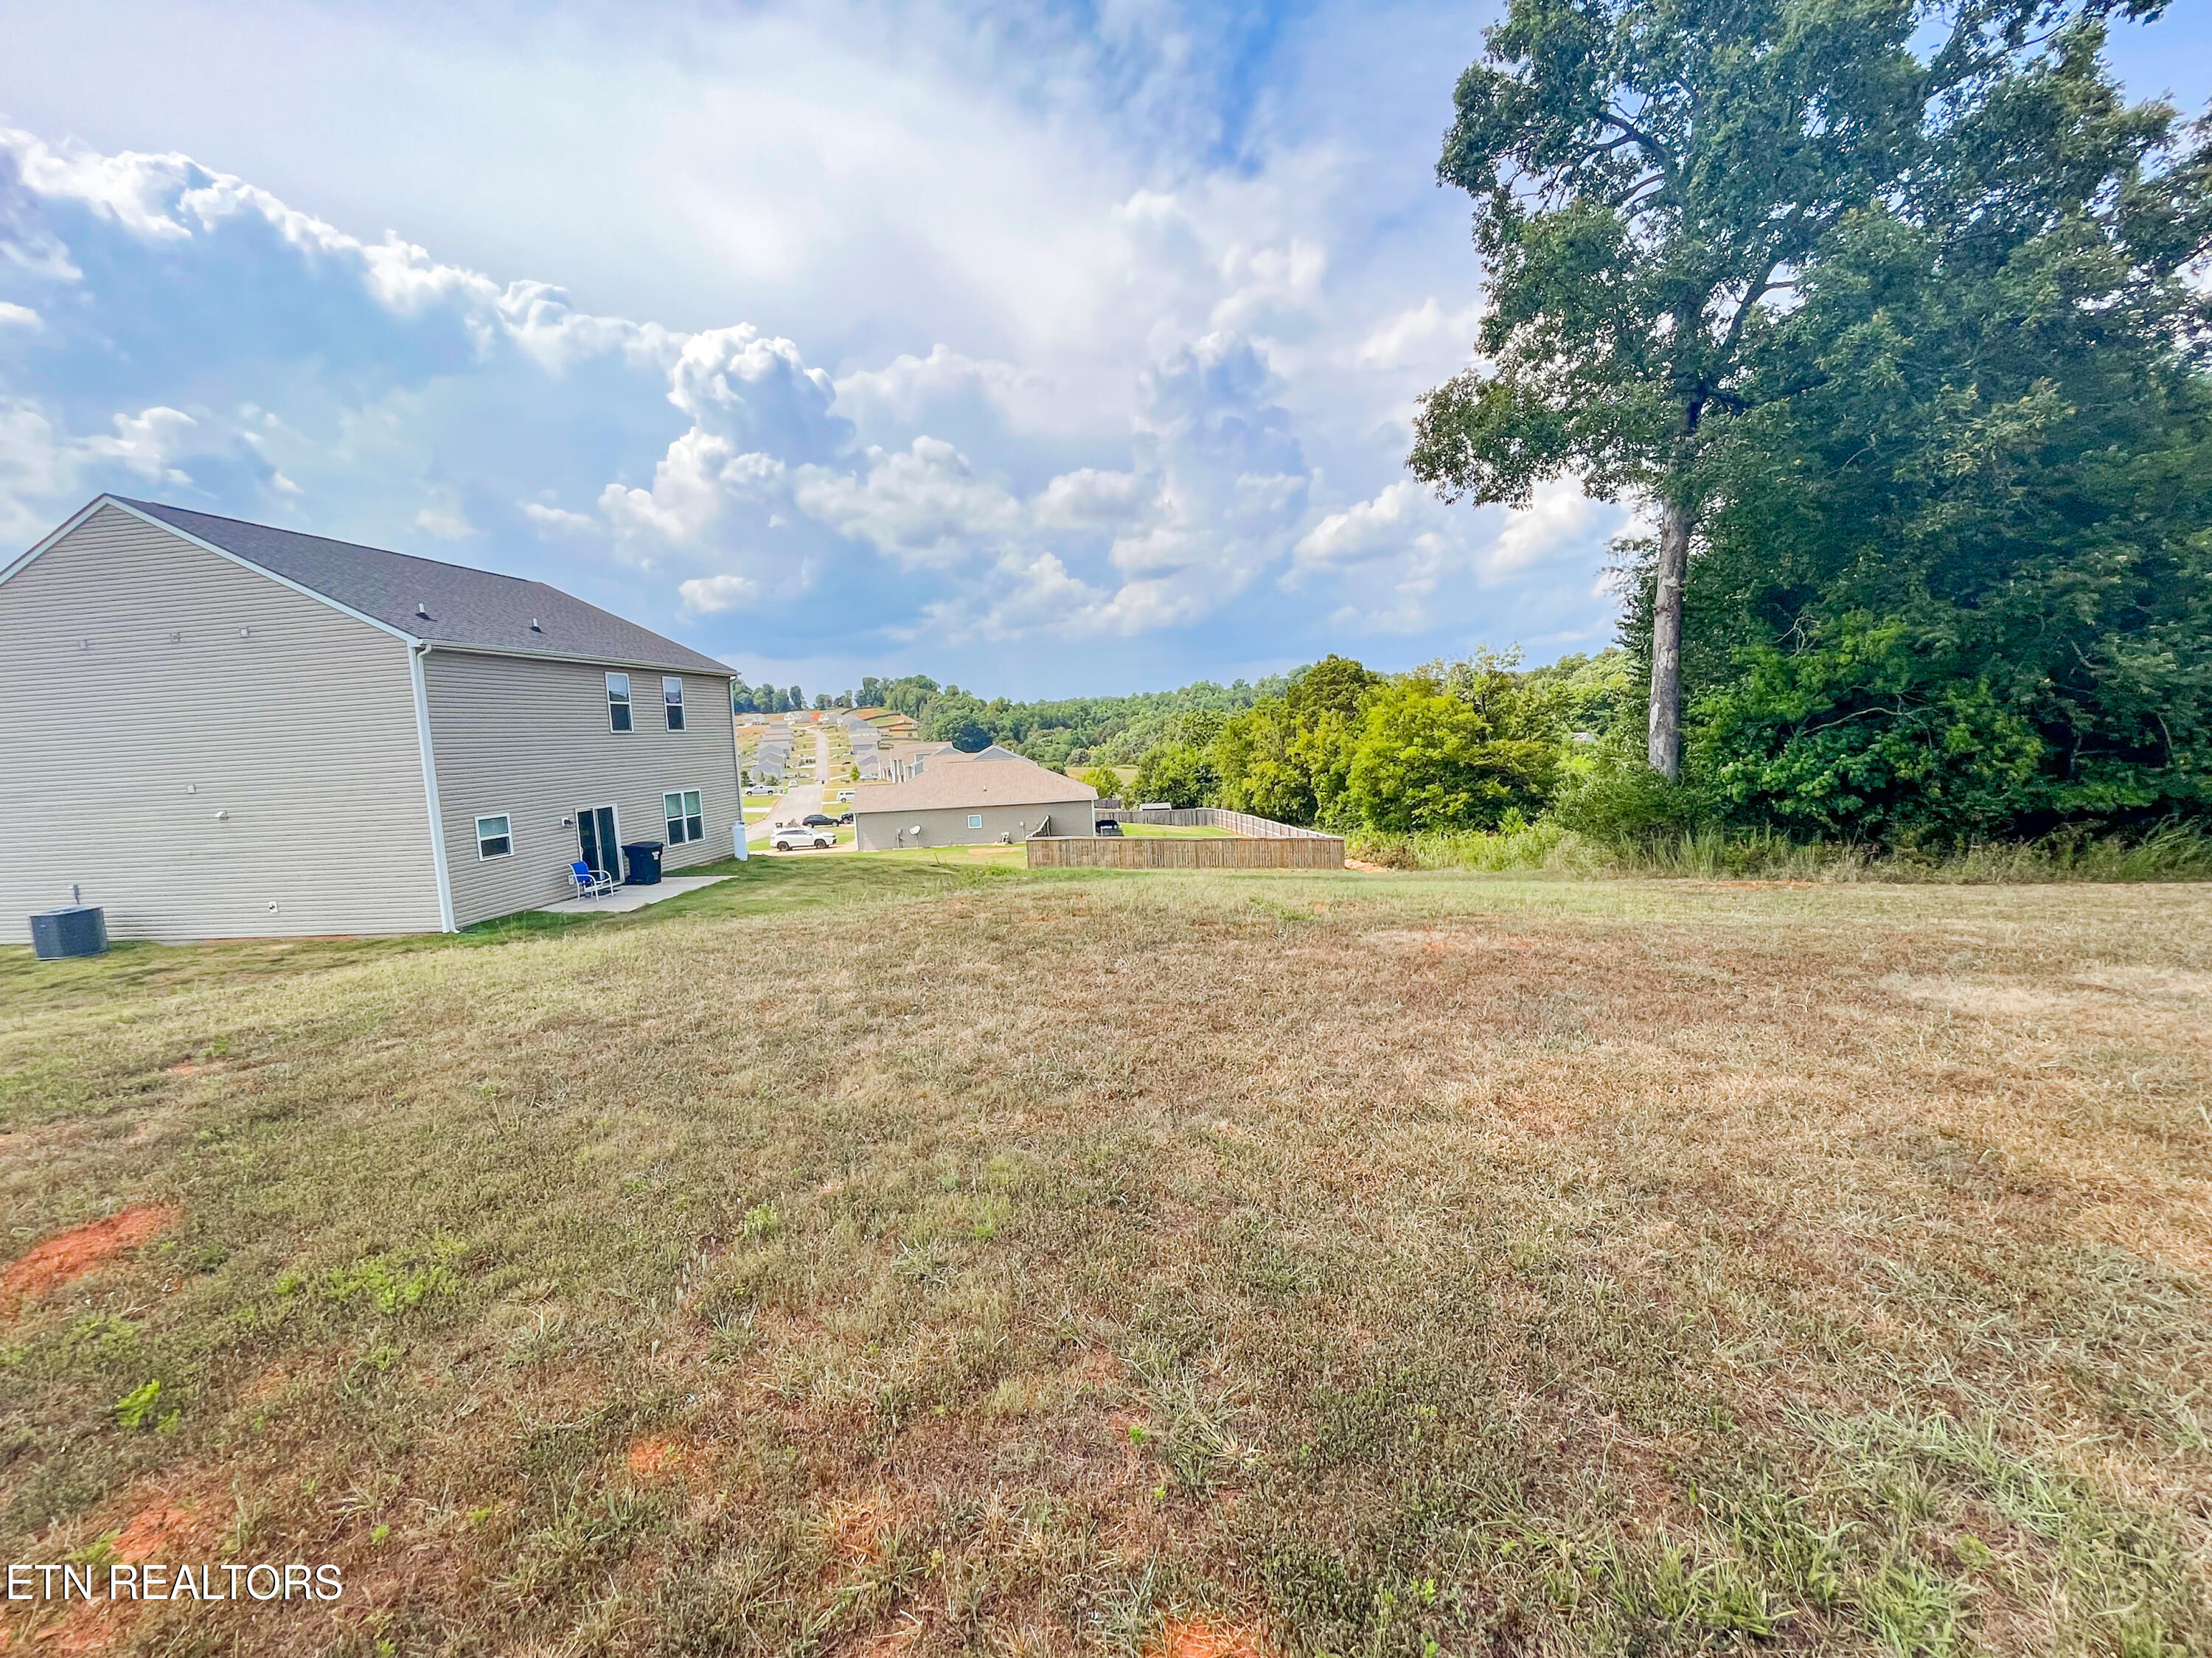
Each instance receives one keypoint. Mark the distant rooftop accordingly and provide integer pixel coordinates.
(956, 781)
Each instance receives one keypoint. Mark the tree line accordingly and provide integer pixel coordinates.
(1891, 313)
(1473, 744)
(1063, 733)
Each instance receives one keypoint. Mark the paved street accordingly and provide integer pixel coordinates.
(796, 801)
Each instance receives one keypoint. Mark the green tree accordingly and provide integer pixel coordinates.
(1959, 584)
(1433, 754)
(1596, 696)
(1286, 757)
(1181, 774)
(1335, 684)
(1253, 754)
(1655, 181)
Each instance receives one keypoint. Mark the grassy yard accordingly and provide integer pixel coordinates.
(1170, 832)
(910, 1253)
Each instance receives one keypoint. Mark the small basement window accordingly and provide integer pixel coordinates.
(495, 836)
(974, 820)
(685, 821)
(618, 701)
(671, 695)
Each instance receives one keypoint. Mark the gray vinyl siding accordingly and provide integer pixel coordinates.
(530, 740)
(135, 665)
(947, 826)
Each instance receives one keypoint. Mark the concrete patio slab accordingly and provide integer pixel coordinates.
(622, 899)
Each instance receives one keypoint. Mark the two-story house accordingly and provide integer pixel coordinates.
(219, 729)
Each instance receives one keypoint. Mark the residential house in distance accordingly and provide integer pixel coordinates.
(243, 731)
(867, 747)
(773, 758)
(972, 800)
(901, 725)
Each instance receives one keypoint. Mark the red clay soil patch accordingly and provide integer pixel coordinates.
(159, 1531)
(69, 1255)
(153, 1532)
(891, 1644)
(87, 1626)
(657, 1456)
(1199, 1638)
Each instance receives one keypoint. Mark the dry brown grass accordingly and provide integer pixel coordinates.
(1133, 1263)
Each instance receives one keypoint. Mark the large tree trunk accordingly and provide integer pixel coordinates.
(1664, 749)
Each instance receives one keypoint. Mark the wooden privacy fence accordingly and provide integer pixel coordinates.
(1236, 822)
(1302, 849)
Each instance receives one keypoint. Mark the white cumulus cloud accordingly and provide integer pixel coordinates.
(711, 595)
(923, 506)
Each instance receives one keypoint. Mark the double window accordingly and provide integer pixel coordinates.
(620, 715)
(685, 820)
(495, 836)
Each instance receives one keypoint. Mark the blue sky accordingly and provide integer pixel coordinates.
(1045, 348)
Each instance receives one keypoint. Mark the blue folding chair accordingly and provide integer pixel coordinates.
(590, 882)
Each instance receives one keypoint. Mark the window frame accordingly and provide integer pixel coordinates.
(686, 827)
(974, 820)
(618, 702)
(505, 817)
(672, 701)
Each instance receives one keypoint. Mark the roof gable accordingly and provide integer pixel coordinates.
(440, 603)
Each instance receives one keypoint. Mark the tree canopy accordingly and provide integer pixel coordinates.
(1883, 306)
(1654, 182)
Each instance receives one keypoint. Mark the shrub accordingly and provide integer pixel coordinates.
(1616, 799)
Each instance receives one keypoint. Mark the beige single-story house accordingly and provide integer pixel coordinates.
(972, 800)
(242, 730)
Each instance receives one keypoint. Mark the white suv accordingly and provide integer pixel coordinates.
(793, 837)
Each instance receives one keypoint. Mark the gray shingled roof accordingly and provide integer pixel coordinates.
(967, 780)
(471, 608)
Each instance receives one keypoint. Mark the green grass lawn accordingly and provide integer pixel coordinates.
(992, 857)
(910, 1253)
(1170, 832)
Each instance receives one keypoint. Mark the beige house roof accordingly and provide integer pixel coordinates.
(966, 781)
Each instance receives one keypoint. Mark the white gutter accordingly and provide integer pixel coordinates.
(642, 663)
(416, 653)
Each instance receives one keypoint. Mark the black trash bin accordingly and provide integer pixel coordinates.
(641, 863)
(79, 930)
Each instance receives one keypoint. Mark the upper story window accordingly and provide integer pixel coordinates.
(618, 701)
(495, 836)
(680, 809)
(671, 694)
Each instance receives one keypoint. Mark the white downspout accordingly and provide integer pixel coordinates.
(416, 653)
